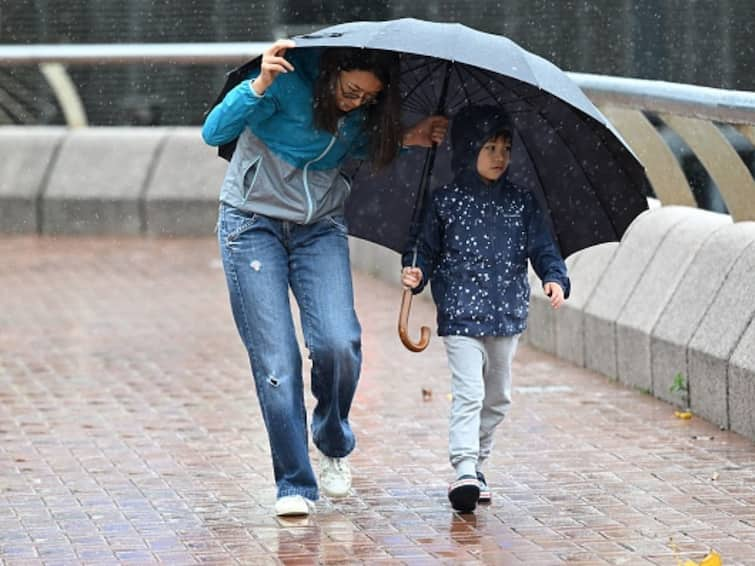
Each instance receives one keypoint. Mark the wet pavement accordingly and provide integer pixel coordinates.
(130, 434)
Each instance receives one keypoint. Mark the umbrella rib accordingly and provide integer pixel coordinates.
(420, 64)
(467, 95)
(418, 104)
(470, 95)
(415, 106)
(595, 193)
(427, 101)
(540, 182)
(494, 77)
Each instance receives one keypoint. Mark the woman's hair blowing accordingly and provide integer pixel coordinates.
(383, 122)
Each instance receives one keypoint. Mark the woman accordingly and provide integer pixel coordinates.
(281, 225)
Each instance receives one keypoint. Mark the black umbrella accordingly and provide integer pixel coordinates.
(564, 150)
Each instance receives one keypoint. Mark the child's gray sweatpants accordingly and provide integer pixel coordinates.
(481, 389)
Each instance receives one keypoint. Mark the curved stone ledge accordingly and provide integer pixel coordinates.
(570, 322)
(96, 183)
(615, 286)
(675, 297)
(685, 310)
(741, 394)
(181, 197)
(27, 154)
(157, 181)
(659, 281)
(717, 337)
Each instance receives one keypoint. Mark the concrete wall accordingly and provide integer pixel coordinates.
(156, 181)
(28, 154)
(673, 297)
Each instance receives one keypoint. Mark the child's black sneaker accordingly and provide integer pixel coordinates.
(484, 489)
(464, 493)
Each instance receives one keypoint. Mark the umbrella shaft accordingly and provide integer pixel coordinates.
(427, 169)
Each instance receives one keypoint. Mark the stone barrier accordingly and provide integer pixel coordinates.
(27, 155)
(660, 280)
(96, 183)
(685, 310)
(181, 196)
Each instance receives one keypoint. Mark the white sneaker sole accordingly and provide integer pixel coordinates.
(293, 506)
(335, 492)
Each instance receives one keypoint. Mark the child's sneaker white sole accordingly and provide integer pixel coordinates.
(293, 505)
(485, 494)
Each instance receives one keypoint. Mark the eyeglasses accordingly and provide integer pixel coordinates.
(355, 93)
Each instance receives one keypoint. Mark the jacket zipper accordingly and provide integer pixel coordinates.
(310, 204)
(491, 227)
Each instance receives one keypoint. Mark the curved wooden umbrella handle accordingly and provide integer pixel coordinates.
(403, 324)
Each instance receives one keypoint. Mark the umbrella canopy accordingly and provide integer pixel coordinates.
(564, 150)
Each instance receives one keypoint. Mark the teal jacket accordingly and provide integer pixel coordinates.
(283, 166)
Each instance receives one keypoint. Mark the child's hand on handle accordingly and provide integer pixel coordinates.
(273, 64)
(411, 277)
(555, 292)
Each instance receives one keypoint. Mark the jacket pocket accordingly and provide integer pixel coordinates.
(249, 176)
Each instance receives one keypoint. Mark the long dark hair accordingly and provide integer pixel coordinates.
(383, 123)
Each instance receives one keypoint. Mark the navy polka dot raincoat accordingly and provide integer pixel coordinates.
(476, 238)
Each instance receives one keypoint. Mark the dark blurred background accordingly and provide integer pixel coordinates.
(705, 42)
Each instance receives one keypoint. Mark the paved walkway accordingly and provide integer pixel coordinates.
(129, 433)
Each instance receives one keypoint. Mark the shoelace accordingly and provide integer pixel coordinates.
(335, 465)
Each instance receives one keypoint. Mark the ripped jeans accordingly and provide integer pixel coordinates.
(262, 258)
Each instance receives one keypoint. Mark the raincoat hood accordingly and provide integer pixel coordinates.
(471, 128)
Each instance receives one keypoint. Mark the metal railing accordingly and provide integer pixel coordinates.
(125, 53)
(693, 113)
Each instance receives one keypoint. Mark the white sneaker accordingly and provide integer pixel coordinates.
(335, 476)
(293, 505)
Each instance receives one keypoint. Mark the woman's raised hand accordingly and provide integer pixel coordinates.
(273, 63)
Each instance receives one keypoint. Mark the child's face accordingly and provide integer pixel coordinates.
(493, 159)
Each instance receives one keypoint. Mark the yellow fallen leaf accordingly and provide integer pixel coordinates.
(713, 559)
(686, 415)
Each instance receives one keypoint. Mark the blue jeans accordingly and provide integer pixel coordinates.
(262, 258)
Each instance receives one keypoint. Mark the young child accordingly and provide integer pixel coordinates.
(476, 237)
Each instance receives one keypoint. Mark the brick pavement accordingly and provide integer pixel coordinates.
(129, 434)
